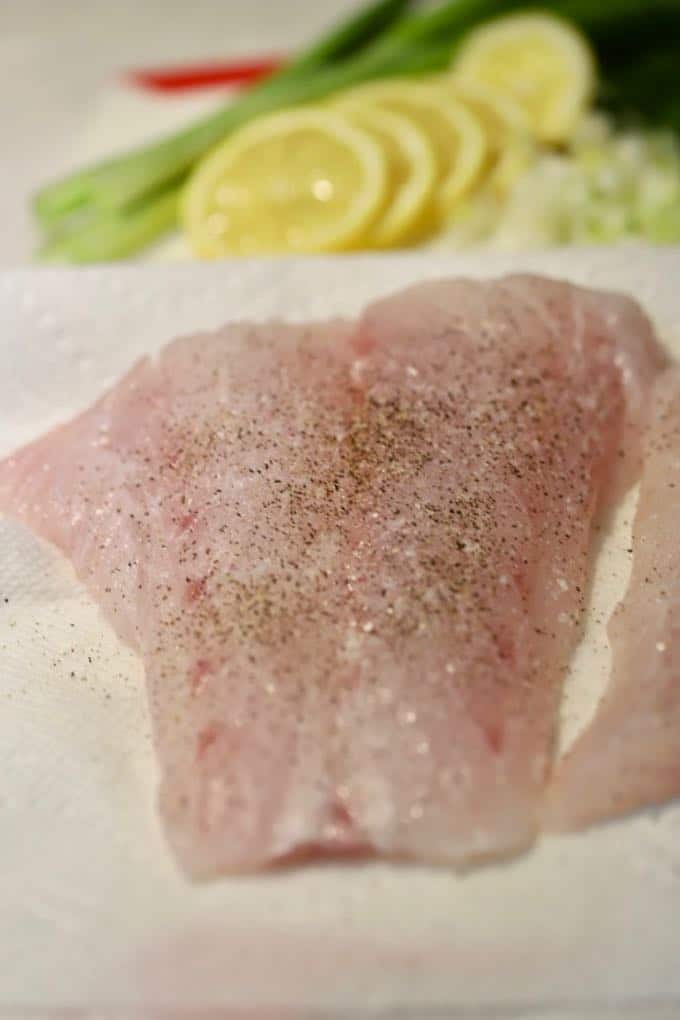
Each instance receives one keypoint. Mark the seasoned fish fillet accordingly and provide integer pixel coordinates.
(352, 558)
(630, 755)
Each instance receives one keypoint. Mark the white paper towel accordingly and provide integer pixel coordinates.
(93, 913)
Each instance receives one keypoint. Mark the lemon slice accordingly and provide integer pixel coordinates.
(302, 181)
(454, 132)
(508, 128)
(412, 173)
(501, 115)
(540, 61)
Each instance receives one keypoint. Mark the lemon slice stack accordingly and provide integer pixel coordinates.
(455, 136)
(412, 174)
(385, 164)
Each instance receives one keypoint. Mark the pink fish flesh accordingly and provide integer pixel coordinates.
(352, 558)
(630, 755)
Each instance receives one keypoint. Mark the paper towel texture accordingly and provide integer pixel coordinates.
(92, 910)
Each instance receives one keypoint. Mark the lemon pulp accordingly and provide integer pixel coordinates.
(305, 180)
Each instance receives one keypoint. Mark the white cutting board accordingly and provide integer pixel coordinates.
(93, 913)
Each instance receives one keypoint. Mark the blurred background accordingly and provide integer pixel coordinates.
(441, 124)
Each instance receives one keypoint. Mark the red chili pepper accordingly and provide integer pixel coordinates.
(180, 79)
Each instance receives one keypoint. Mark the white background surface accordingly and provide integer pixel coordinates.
(93, 913)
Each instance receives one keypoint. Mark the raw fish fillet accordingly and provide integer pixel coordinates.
(352, 558)
(630, 755)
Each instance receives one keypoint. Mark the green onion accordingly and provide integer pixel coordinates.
(366, 25)
(114, 234)
(450, 20)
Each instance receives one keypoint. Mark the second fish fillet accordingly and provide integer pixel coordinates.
(629, 757)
